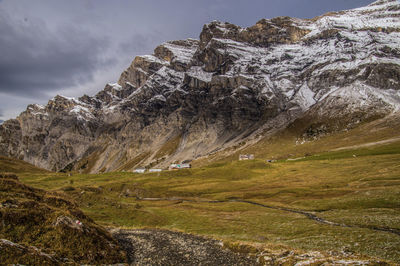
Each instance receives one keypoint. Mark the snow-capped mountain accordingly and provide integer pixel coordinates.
(193, 97)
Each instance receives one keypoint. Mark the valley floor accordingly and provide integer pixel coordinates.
(342, 203)
(165, 247)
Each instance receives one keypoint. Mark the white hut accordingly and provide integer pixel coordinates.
(176, 166)
(139, 170)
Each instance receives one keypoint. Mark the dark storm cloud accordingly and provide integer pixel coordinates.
(34, 59)
(246, 13)
(1, 111)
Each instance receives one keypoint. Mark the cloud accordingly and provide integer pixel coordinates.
(1, 114)
(35, 59)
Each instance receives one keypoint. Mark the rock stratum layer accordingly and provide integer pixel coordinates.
(194, 97)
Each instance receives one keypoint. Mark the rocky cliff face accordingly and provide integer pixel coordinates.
(193, 97)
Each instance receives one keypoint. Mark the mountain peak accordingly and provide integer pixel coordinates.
(385, 2)
(194, 97)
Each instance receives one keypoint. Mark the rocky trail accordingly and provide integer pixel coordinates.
(369, 144)
(163, 247)
(309, 215)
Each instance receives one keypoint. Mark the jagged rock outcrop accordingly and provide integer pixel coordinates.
(193, 97)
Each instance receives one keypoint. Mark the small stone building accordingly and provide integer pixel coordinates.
(176, 166)
(246, 157)
(139, 170)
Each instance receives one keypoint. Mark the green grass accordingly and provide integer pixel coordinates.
(362, 191)
(292, 143)
(387, 149)
(169, 147)
(16, 166)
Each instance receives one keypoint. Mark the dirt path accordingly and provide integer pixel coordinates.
(386, 141)
(307, 214)
(163, 247)
(322, 220)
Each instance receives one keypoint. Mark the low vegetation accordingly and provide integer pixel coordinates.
(169, 147)
(356, 190)
(11, 165)
(45, 228)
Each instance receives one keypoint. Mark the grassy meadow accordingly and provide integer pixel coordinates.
(357, 187)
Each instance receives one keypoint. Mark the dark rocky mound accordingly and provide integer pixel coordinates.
(43, 228)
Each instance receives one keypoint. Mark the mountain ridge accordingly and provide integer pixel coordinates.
(194, 97)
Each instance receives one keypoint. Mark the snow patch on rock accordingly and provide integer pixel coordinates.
(198, 73)
(304, 97)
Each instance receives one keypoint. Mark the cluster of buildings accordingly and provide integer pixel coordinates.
(243, 157)
(177, 166)
(173, 166)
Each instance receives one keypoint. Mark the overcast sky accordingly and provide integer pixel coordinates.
(74, 47)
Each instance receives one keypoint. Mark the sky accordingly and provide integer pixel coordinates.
(75, 47)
